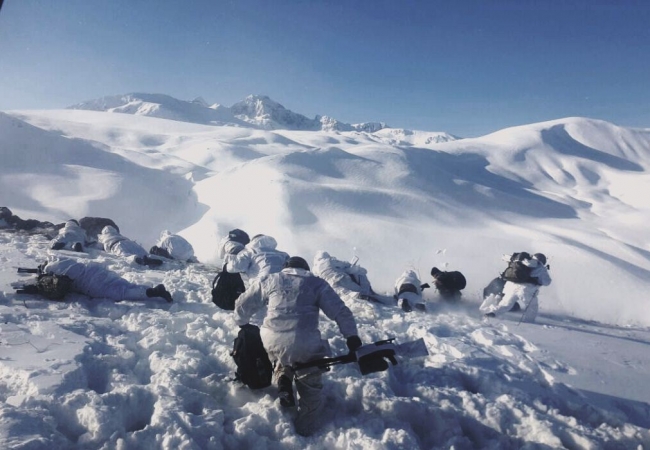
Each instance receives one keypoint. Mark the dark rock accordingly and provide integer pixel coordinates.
(95, 225)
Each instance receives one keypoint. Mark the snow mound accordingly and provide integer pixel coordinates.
(400, 136)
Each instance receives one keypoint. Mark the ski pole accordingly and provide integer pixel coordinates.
(527, 306)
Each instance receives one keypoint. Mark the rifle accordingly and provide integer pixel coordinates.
(370, 357)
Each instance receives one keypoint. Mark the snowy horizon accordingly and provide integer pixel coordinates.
(256, 111)
(572, 188)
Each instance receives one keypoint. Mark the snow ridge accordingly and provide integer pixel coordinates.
(257, 111)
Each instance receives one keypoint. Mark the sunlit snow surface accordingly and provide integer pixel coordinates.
(95, 374)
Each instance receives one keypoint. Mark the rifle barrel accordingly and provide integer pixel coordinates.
(326, 362)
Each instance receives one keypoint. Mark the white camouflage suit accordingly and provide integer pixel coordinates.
(349, 280)
(290, 331)
(408, 277)
(119, 245)
(70, 234)
(177, 246)
(95, 281)
(523, 293)
(258, 258)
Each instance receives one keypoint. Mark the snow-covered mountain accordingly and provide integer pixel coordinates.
(162, 106)
(574, 189)
(257, 111)
(267, 114)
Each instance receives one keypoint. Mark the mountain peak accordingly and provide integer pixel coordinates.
(200, 101)
(255, 110)
(260, 110)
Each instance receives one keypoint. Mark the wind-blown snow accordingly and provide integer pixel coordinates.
(94, 374)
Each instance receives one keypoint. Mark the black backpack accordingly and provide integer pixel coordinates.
(450, 281)
(494, 288)
(226, 288)
(49, 285)
(254, 368)
(516, 271)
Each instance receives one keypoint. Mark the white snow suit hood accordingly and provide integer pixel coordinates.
(538, 271)
(118, 244)
(177, 247)
(70, 234)
(229, 247)
(408, 277)
(258, 258)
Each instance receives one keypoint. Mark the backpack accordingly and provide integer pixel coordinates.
(450, 281)
(516, 271)
(226, 288)
(494, 288)
(49, 285)
(254, 368)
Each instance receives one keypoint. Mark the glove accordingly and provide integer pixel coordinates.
(353, 343)
(425, 286)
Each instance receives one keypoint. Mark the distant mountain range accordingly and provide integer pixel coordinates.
(255, 111)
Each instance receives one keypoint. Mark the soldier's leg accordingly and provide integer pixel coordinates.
(284, 380)
(531, 306)
(310, 402)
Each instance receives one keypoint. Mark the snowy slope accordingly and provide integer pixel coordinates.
(572, 189)
(93, 374)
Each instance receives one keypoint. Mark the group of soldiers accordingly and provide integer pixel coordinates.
(292, 293)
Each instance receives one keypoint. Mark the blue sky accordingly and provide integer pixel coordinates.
(465, 67)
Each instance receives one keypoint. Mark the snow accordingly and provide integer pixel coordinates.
(257, 111)
(90, 373)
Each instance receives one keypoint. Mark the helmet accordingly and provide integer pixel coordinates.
(540, 257)
(238, 235)
(435, 271)
(297, 263)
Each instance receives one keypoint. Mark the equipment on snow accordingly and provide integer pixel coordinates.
(254, 368)
(48, 285)
(450, 281)
(226, 289)
(371, 358)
